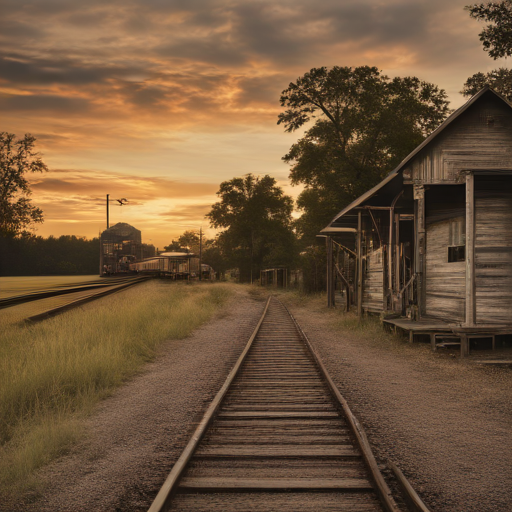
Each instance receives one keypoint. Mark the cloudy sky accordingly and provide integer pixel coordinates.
(158, 101)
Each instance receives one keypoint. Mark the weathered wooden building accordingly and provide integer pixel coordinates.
(431, 245)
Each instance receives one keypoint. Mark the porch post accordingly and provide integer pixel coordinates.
(359, 264)
(420, 246)
(397, 258)
(328, 241)
(470, 250)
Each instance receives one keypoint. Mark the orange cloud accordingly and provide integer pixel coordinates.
(95, 184)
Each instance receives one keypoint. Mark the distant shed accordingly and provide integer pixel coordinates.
(432, 243)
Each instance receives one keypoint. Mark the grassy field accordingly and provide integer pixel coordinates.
(12, 286)
(368, 327)
(53, 373)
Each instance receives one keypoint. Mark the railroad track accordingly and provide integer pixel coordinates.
(66, 289)
(278, 436)
(70, 297)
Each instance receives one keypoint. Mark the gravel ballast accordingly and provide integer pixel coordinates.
(445, 422)
(136, 435)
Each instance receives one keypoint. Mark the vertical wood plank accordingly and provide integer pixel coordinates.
(470, 249)
(330, 274)
(464, 345)
(390, 259)
(419, 249)
(359, 264)
(397, 258)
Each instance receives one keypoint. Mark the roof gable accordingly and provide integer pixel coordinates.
(394, 178)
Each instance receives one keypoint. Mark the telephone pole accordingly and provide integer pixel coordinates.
(201, 253)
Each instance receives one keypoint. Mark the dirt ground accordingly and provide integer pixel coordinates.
(137, 435)
(445, 422)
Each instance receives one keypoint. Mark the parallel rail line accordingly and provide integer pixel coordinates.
(65, 289)
(278, 436)
(78, 295)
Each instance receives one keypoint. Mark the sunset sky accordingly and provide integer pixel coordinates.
(158, 101)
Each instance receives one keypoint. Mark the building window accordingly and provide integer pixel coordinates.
(457, 240)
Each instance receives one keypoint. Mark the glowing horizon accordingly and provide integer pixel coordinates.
(161, 102)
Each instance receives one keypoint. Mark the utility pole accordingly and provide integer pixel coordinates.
(201, 253)
(108, 195)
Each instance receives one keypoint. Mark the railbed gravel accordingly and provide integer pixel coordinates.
(444, 421)
(138, 433)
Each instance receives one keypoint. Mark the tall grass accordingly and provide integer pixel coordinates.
(52, 373)
(368, 327)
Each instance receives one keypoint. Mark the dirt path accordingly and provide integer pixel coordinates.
(446, 423)
(137, 434)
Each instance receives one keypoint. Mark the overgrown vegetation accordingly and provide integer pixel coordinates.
(18, 158)
(496, 39)
(368, 327)
(53, 373)
(30, 255)
(256, 217)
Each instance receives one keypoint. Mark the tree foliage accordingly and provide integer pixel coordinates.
(256, 217)
(499, 80)
(213, 255)
(189, 241)
(17, 158)
(364, 124)
(30, 255)
(497, 40)
(496, 37)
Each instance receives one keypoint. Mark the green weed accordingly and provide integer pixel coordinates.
(53, 373)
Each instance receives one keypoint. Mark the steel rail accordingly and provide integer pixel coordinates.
(252, 396)
(79, 302)
(60, 290)
(411, 497)
(381, 485)
(169, 486)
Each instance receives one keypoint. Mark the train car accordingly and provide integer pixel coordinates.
(176, 265)
(207, 273)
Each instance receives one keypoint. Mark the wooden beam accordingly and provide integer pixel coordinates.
(470, 250)
(397, 255)
(392, 250)
(420, 247)
(359, 264)
(330, 273)
(389, 300)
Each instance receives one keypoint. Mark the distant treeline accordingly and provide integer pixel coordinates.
(35, 255)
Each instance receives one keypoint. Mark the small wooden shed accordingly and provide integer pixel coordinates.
(274, 277)
(431, 245)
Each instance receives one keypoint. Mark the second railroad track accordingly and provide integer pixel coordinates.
(278, 437)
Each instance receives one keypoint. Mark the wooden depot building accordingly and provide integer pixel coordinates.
(430, 247)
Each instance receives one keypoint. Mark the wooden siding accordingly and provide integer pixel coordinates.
(373, 287)
(445, 282)
(493, 251)
(481, 138)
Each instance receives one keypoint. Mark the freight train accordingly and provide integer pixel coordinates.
(176, 265)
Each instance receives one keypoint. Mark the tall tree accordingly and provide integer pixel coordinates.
(256, 217)
(364, 124)
(30, 255)
(498, 79)
(497, 36)
(17, 158)
(213, 255)
(189, 241)
(497, 40)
